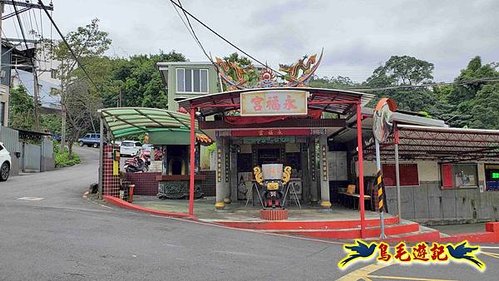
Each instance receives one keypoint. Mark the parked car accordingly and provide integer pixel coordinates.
(90, 140)
(148, 147)
(130, 147)
(6, 163)
(56, 137)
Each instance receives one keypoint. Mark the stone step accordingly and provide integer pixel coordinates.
(310, 224)
(351, 233)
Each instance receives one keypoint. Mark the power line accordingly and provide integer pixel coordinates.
(67, 44)
(20, 24)
(41, 23)
(36, 23)
(224, 39)
(193, 33)
(426, 85)
(15, 26)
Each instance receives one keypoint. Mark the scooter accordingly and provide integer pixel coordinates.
(138, 163)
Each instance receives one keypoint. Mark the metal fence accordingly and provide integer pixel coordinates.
(47, 162)
(32, 157)
(10, 139)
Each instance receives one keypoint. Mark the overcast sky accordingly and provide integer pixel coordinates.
(357, 36)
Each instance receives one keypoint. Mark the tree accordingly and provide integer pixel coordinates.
(138, 81)
(338, 82)
(21, 109)
(250, 74)
(402, 70)
(87, 43)
(473, 99)
(82, 110)
(398, 74)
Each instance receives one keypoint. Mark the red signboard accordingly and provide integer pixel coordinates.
(408, 174)
(270, 132)
(447, 176)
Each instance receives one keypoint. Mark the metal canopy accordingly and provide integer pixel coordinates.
(442, 144)
(124, 121)
(329, 100)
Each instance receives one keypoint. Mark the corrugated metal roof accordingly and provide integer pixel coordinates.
(124, 121)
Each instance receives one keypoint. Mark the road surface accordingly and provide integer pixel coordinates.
(48, 231)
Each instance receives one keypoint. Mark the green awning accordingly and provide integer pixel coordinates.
(124, 121)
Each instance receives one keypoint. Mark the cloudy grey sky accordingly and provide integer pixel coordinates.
(357, 35)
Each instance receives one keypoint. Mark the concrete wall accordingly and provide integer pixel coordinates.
(429, 204)
(427, 170)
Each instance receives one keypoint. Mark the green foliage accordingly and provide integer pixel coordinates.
(51, 123)
(338, 82)
(402, 70)
(81, 88)
(138, 80)
(472, 101)
(64, 158)
(21, 109)
(250, 75)
(406, 71)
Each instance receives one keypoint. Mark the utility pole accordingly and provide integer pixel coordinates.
(63, 112)
(36, 87)
(1, 68)
(36, 95)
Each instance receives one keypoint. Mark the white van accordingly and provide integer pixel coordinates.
(130, 147)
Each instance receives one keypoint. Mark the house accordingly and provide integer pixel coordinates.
(48, 81)
(184, 80)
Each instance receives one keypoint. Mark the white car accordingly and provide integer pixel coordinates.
(130, 147)
(6, 163)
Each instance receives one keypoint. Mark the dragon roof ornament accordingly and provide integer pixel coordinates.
(237, 77)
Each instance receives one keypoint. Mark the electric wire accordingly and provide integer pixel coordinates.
(36, 24)
(41, 24)
(426, 85)
(31, 23)
(77, 60)
(193, 33)
(14, 24)
(224, 39)
(20, 24)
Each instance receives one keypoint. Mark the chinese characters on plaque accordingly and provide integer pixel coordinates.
(274, 102)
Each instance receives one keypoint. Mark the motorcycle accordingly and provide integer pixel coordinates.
(138, 163)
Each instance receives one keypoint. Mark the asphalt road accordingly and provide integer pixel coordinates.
(48, 231)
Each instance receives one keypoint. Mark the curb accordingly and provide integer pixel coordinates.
(124, 204)
(491, 234)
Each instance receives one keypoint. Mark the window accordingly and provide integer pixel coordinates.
(53, 73)
(492, 177)
(408, 174)
(2, 113)
(192, 80)
(459, 175)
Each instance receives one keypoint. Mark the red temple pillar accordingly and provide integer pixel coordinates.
(361, 170)
(192, 152)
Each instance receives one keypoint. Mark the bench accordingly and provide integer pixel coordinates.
(354, 198)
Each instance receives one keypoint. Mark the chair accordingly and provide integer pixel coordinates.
(351, 189)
